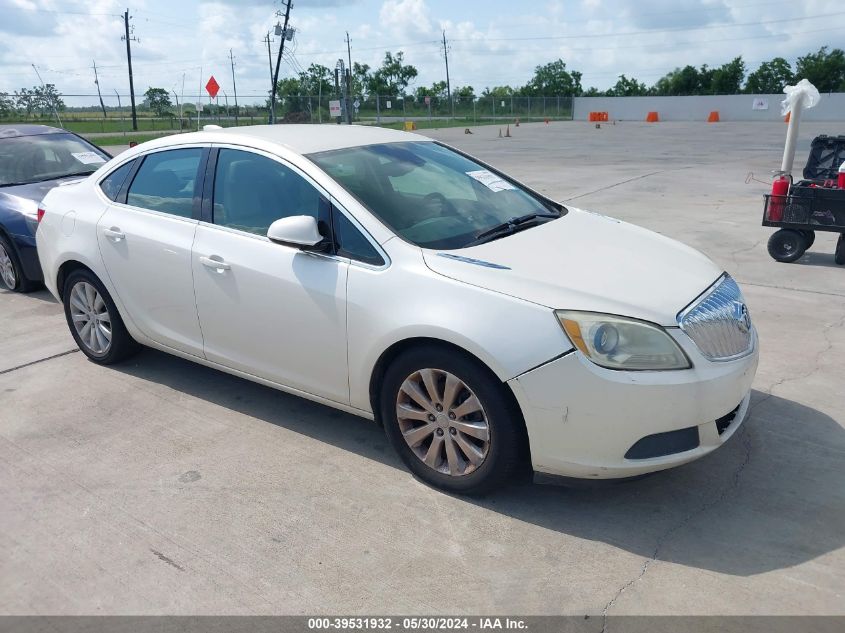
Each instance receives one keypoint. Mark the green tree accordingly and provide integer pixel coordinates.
(499, 92)
(48, 98)
(7, 105)
(315, 80)
(592, 91)
(464, 94)
(826, 71)
(26, 100)
(393, 77)
(683, 81)
(727, 78)
(770, 77)
(552, 79)
(436, 90)
(159, 100)
(360, 78)
(625, 87)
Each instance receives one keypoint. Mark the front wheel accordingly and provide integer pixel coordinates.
(450, 420)
(94, 321)
(787, 245)
(839, 255)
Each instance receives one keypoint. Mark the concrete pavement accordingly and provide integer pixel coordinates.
(161, 487)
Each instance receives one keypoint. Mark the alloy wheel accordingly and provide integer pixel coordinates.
(90, 316)
(443, 422)
(7, 269)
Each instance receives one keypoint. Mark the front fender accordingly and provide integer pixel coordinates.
(409, 301)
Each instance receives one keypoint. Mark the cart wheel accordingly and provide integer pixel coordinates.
(787, 245)
(839, 256)
(809, 237)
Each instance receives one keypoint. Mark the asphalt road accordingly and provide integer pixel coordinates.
(162, 487)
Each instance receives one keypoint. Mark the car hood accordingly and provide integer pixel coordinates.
(586, 261)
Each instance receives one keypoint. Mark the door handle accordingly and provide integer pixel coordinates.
(217, 264)
(114, 233)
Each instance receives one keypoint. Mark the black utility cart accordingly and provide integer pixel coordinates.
(816, 203)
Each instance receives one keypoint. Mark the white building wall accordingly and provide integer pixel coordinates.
(697, 108)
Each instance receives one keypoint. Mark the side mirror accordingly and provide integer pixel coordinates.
(300, 231)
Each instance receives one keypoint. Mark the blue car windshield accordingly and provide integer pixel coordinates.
(40, 157)
(433, 196)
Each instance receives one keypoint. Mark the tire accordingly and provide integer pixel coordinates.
(85, 298)
(839, 254)
(461, 461)
(809, 237)
(11, 270)
(787, 245)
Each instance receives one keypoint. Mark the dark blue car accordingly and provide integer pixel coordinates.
(33, 160)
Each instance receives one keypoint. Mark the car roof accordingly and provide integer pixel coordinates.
(299, 138)
(22, 129)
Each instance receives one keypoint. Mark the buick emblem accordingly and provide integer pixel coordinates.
(741, 316)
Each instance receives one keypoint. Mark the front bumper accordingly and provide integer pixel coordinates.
(583, 420)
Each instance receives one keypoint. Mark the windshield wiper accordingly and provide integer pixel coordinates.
(509, 227)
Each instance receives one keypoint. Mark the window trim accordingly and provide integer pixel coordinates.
(141, 158)
(207, 216)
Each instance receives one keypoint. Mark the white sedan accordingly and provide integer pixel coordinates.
(485, 326)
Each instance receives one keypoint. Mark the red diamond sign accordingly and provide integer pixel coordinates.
(212, 87)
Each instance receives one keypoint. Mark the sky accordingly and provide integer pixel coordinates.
(491, 42)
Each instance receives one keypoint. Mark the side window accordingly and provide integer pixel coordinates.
(112, 183)
(252, 191)
(351, 242)
(166, 182)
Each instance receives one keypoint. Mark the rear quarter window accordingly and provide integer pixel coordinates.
(112, 183)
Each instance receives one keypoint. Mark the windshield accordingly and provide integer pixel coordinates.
(429, 194)
(27, 159)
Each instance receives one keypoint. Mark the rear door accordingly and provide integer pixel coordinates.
(267, 309)
(145, 239)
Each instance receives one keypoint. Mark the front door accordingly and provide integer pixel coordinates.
(146, 243)
(269, 310)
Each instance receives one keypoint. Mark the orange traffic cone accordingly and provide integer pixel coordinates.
(714, 117)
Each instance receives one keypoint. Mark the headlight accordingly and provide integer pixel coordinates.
(620, 343)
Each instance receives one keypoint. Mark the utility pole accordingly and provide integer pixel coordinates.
(448, 85)
(120, 109)
(234, 86)
(349, 81)
(129, 61)
(97, 83)
(279, 61)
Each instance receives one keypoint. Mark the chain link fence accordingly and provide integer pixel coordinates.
(83, 113)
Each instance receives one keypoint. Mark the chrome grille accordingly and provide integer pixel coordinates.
(718, 322)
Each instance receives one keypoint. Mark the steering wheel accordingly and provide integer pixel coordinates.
(429, 200)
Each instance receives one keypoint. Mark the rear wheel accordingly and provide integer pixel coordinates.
(11, 271)
(450, 421)
(839, 255)
(809, 237)
(787, 245)
(94, 321)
